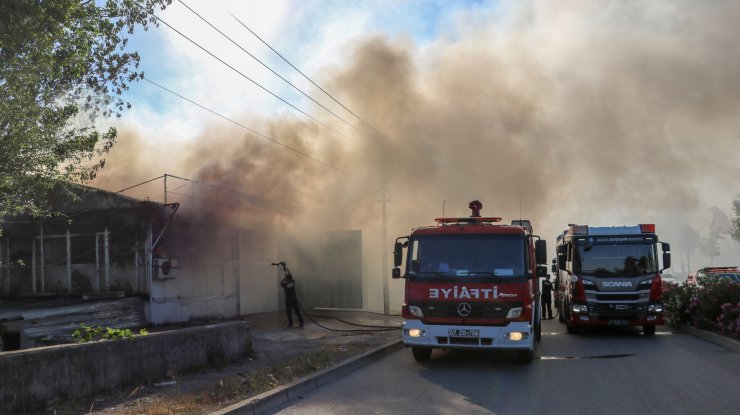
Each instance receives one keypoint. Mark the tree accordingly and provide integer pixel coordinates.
(63, 64)
(709, 246)
(735, 232)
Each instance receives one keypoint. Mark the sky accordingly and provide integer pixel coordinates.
(592, 112)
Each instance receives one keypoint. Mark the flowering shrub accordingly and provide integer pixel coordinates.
(728, 322)
(710, 305)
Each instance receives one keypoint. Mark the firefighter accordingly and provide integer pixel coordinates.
(547, 298)
(291, 300)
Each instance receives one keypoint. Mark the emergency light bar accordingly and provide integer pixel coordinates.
(465, 220)
(613, 230)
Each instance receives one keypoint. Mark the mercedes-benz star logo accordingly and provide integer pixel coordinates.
(464, 309)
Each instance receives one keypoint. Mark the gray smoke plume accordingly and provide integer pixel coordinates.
(601, 113)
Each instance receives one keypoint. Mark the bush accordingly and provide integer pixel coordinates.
(90, 334)
(710, 305)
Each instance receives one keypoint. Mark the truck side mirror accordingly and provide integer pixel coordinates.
(540, 251)
(554, 269)
(541, 271)
(666, 255)
(397, 254)
(396, 273)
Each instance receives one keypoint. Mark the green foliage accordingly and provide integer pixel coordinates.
(712, 304)
(62, 64)
(90, 334)
(735, 232)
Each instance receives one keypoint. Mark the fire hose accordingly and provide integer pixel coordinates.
(368, 328)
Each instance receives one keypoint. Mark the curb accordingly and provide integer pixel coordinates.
(282, 395)
(714, 338)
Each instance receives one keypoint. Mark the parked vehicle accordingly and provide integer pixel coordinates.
(668, 279)
(691, 279)
(731, 274)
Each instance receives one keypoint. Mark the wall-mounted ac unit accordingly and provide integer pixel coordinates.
(164, 268)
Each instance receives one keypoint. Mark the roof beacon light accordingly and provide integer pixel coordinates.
(475, 206)
(647, 227)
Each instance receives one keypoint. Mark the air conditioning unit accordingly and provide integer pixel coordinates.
(164, 268)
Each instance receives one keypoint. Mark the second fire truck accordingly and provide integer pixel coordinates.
(610, 276)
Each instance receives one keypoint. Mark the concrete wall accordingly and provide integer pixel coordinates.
(200, 290)
(30, 379)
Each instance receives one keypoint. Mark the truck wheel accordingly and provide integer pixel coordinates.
(648, 330)
(571, 328)
(524, 356)
(421, 354)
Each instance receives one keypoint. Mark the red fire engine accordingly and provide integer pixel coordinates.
(610, 276)
(471, 282)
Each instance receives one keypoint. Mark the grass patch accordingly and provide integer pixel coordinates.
(232, 389)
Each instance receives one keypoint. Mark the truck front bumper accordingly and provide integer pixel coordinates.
(514, 336)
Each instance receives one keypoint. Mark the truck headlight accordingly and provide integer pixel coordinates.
(579, 308)
(514, 312)
(516, 335)
(415, 332)
(655, 308)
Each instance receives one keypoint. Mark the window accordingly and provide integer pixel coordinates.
(468, 255)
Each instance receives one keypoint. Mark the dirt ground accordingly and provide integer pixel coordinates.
(279, 355)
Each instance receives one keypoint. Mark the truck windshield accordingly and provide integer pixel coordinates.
(478, 255)
(615, 259)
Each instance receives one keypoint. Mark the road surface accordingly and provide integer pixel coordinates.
(605, 372)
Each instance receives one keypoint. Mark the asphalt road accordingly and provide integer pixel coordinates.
(605, 372)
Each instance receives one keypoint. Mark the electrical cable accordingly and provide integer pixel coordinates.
(304, 75)
(245, 76)
(266, 66)
(249, 129)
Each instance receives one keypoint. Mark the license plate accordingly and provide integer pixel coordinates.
(618, 322)
(463, 333)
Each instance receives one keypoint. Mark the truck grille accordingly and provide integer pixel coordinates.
(618, 297)
(433, 309)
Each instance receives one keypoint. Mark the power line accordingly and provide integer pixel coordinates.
(245, 76)
(265, 65)
(304, 75)
(249, 129)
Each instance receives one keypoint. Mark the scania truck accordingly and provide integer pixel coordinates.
(471, 283)
(610, 276)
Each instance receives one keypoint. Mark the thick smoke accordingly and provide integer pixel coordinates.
(601, 113)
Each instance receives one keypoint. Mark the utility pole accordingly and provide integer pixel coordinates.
(384, 236)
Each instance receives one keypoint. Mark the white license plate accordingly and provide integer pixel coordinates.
(463, 333)
(618, 322)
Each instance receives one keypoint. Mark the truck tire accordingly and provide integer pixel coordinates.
(571, 328)
(524, 356)
(648, 330)
(421, 354)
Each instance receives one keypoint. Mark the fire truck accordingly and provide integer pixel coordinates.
(609, 276)
(471, 283)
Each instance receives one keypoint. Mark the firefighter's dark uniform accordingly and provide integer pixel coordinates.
(547, 299)
(291, 300)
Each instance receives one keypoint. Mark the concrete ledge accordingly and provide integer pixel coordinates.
(714, 338)
(31, 379)
(282, 395)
